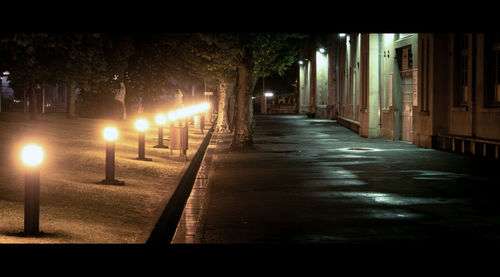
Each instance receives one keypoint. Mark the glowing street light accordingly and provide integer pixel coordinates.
(142, 125)
(199, 122)
(179, 134)
(160, 121)
(32, 157)
(110, 134)
(188, 111)
(267, 94)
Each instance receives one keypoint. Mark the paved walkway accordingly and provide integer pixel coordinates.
(314, 181)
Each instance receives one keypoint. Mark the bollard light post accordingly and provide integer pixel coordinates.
(142, 125)
(160, 121)
(110, 134)
(32, 157)
(179, 134)
(199, 122)
(267, 94)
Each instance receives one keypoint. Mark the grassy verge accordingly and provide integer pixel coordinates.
(74, 208)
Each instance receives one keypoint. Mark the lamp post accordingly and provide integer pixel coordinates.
(32, 157)
(110, 134)
(142, 125)
(179, 134)
(267, 94)
(160, 121)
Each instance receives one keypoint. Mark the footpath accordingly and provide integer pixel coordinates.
(312, 181)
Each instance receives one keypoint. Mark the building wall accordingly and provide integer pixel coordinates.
(304, 88)
(405, 87)
(388, 64)
(487, 117)
(321, 83)
(374, 85)
(349, 54)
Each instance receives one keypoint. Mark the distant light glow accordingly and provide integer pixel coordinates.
(188, 111)
(301, 62)
(341, 35)
(110, 133)
(322, 50)
(160, 119)
(268, 94)
(141, 125)
(32, 155)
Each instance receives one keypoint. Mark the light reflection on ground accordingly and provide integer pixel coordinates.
(384, 198)
(390, 214)
(433, 175)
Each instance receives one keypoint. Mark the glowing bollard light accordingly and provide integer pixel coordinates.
(179, 134)
(142, 125)
(160, 121)
(110, 134)
(199, 122)
(32, 157)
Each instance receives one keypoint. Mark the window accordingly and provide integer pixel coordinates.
(492, 70)
(365, 39)
(463, 58)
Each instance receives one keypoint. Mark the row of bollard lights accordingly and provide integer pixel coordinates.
(32, 156)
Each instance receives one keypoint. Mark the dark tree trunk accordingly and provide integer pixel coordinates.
(222, 121)
(232, 104)
(71, 101)
(33, 104)
(26, 99)
(242, 138)
(43, 99)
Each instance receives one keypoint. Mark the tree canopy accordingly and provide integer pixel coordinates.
(149, 63)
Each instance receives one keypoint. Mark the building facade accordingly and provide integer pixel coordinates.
(433, 90)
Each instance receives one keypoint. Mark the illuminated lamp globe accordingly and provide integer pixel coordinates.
(160, 119)
(32, 155)
(205, 106)
(141, 125)
(110, 133)
(172, 116)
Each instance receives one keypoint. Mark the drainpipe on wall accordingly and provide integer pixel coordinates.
(379, 83)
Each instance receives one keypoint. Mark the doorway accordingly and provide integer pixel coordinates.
(406, 89)
(406, 105)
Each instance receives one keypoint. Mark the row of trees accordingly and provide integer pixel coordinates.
(148, 62)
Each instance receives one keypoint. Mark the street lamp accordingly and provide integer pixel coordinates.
(32, 157)
(160, 121)
(142, 125)
(267, 94)
(110, 134)
(179, 134)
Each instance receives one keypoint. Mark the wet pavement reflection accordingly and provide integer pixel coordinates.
(314, 181)
(190, 218)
